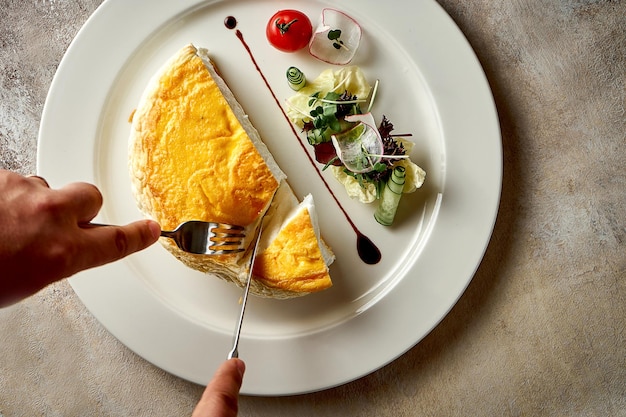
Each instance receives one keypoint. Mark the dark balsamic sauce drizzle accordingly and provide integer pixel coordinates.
(230, 22)
(367, 250)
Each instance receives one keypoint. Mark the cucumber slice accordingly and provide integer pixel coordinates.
(390, 197)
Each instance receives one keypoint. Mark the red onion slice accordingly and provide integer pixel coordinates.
(336, 39)
(361, 147)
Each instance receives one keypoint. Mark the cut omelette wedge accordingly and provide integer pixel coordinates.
(194, 155)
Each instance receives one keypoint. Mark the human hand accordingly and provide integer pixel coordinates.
(41, 238)
(221, 396)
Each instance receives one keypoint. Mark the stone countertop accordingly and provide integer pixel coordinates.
(541, 329)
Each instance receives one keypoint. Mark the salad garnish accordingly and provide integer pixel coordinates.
(362, 155)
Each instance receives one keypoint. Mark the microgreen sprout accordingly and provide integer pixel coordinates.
(323, 100)
(373, 96)
(326, 115)
(334, 36)
(389, 156)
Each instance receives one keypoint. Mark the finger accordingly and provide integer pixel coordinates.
(82, 199)
(221, 396)
(110, 243)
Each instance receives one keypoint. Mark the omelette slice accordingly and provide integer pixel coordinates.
(194, 155)
(293, 259)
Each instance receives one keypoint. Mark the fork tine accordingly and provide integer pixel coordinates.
(228, 226)
(227, 235)
(224, 251)
(226, 230)
(219, 232)
(225, 243)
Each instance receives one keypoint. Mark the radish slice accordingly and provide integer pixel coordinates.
(361, 147)
(336, 39)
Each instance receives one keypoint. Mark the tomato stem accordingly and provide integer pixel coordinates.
(284, 27)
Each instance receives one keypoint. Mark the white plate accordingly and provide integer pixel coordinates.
(431, 85)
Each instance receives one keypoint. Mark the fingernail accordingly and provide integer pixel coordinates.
(155, 229)
(241, 366)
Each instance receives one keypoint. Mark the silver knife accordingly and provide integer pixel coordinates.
(234, 352)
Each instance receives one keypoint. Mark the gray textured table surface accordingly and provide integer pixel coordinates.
(541, 330)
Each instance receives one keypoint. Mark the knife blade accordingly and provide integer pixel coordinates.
(234, 352)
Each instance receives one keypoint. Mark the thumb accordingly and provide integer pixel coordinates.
(221, 396)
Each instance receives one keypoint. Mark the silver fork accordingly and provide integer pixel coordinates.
(203, 238)
(207, 238)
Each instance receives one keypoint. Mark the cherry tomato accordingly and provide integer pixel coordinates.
(289, 30)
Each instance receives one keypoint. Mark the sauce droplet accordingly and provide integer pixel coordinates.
(230, 22)
(367, 250)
